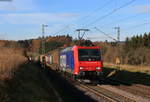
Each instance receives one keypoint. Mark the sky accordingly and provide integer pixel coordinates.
(22, 19)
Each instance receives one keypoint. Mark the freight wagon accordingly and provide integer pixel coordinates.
(53, 59)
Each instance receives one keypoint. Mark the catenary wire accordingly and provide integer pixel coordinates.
(110, 13)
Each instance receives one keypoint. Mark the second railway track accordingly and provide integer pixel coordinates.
(140, 90)
(101, 95)
(106, 95)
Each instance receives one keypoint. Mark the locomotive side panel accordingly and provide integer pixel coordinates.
(70, 62)
(67, 61)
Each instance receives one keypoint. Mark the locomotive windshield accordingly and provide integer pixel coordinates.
(89, 55)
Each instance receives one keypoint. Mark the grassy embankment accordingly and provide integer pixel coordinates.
(130, 68)
(10, 59)
(21, 81)
(128, 73)
(28, 85)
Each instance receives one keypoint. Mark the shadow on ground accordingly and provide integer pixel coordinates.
(31, 83)
(68, 91)
(127, 77)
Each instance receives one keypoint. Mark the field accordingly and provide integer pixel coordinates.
(130, 68)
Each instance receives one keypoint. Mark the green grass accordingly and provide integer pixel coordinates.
(28, 85)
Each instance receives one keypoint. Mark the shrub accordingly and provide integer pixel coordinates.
(10, 58)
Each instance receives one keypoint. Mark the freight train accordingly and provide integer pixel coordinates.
(78, 61)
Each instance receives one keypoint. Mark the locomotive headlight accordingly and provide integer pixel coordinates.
(81, 68)
(98, 67)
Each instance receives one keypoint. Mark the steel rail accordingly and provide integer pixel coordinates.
(122, 98)
(98, 93)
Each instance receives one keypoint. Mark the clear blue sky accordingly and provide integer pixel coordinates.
(22, 19)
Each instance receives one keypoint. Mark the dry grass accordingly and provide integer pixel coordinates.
(130, 68)
(10, 58)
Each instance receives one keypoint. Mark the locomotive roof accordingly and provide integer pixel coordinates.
(88, 47)
(83, 47)
(67, 49)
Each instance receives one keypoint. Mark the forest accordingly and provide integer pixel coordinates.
(134, 51)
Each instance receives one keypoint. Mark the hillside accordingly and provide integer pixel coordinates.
(128, 52)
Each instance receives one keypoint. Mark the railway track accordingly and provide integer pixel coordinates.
(142, 87)
(116, 95)
(100, 96)
(90, 91)
(96, 93)
(138, 90)
(106, 95)
(135, 90)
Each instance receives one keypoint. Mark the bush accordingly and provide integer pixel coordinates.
(10, 58)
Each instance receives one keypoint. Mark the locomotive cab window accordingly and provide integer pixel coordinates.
(89, 55)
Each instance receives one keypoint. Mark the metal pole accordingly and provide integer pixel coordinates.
(118, 60)
(43, 45)
(118, 33)
(43, 38)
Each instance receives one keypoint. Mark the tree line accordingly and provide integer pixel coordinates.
(138, 41)
(134, 51)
